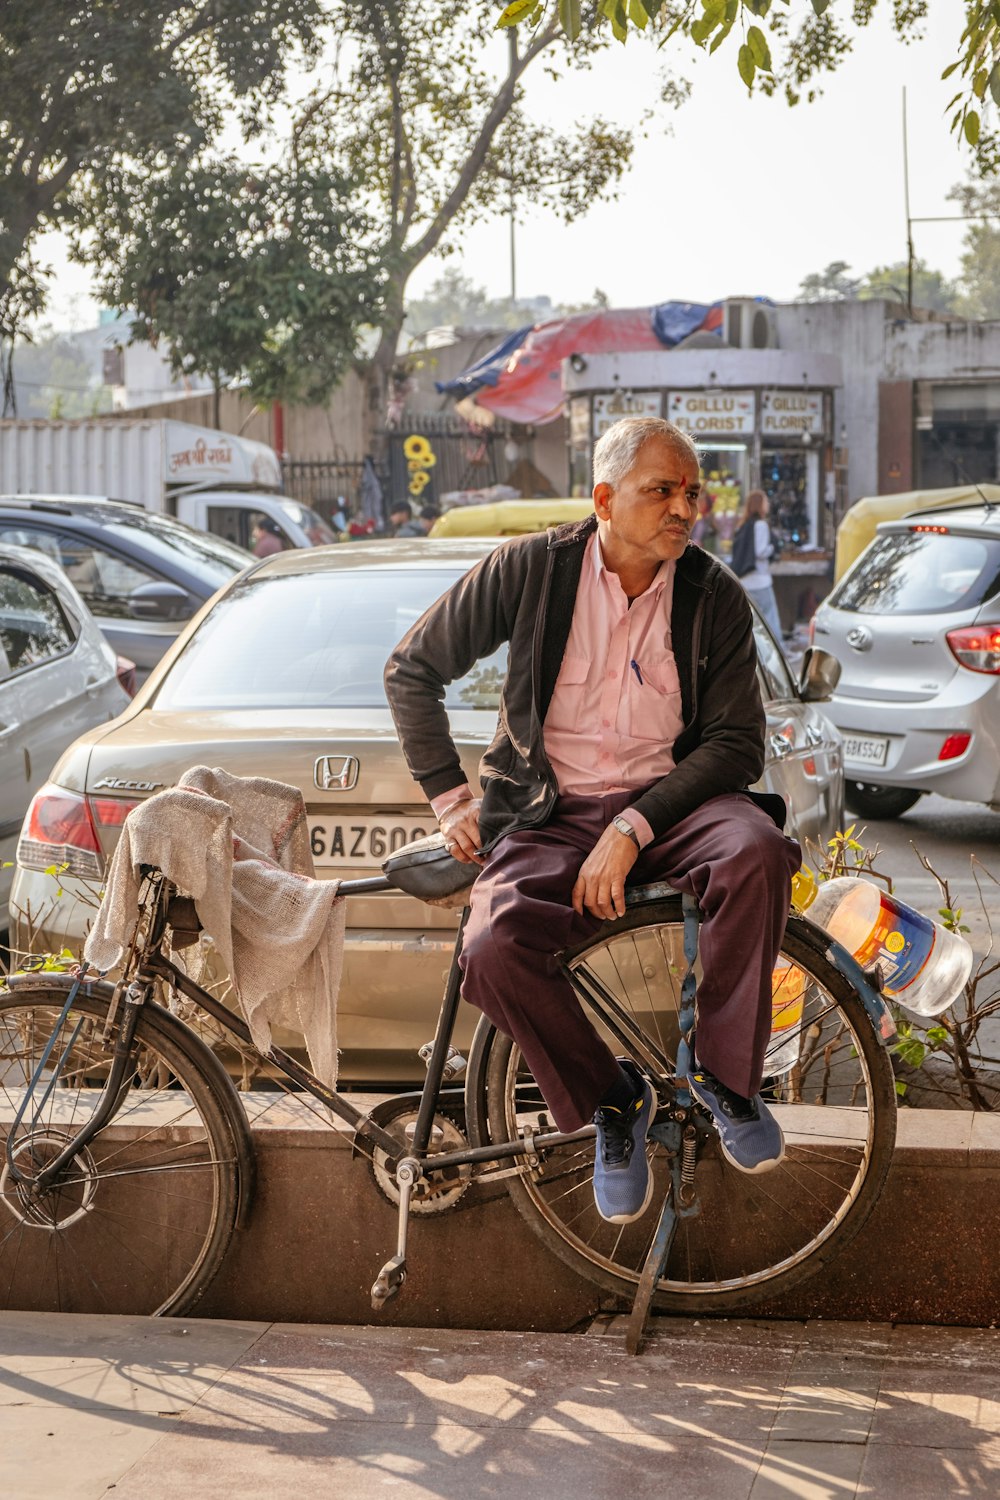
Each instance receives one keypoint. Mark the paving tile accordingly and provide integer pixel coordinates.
(68, 1453)
(811, 1471)
(115, 1363)
(927, 1473)
(924, 1415)
(826, 1413)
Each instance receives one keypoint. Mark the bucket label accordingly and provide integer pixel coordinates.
(900, 942)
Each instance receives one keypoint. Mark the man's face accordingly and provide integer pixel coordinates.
(397, 517)
(650, 513)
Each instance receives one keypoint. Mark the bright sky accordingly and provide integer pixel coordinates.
(744, 197)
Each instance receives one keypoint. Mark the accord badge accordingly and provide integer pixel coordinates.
(860, 638)
(119, 784)
(336, 773)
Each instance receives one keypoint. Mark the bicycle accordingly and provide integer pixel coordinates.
(121, 1125)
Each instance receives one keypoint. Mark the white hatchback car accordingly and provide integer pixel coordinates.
(915, 624)
(58, 677)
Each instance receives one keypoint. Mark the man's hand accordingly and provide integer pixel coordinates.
(600, 885)
(460, 826)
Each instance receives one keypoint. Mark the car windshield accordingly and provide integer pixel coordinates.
(314, 640)
(921, 572)
(211, 559)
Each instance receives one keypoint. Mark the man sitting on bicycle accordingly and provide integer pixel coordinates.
(630, 727)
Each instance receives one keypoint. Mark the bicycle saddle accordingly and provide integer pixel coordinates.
(425, 869)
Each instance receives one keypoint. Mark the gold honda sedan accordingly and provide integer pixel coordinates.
(280, 675)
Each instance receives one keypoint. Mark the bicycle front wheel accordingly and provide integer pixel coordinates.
(139, 1220)
(750, 1237)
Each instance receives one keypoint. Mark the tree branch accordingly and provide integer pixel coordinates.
(498, 112)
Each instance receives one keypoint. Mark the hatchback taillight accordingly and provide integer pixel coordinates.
(60, 830)
(976, 647)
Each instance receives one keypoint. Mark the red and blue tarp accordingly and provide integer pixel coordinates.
(521, 378)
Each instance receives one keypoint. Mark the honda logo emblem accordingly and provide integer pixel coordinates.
(336, 773)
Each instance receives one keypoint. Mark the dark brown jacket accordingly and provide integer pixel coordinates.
(524, 593)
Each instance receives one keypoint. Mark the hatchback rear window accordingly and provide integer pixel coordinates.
(315, 640)
(921, 572)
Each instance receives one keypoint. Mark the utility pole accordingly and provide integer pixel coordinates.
(909, 221)
(512, 46)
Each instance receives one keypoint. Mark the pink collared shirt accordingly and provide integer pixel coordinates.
(616, 706)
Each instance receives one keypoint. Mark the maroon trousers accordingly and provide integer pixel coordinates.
(728, 853)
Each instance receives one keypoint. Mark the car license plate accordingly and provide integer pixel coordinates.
(866, 749)
(363, 841)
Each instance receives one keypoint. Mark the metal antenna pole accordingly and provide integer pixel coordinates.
(512, 44)
(909, 221)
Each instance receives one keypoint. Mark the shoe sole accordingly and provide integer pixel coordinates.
(631, 1218)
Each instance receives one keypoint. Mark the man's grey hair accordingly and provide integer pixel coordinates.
(615, 451)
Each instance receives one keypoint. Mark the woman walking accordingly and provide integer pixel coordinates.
(752, 549)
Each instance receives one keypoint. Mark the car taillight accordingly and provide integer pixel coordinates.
(60, 829)
(125, 672)
(954, 746)
(976, 647)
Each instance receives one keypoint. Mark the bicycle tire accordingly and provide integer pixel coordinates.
(756, 1236)
(142, 1219)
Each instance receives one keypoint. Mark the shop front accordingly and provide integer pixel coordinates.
(761, 433)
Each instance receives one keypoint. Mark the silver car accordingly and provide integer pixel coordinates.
(281, 676)
(58, 677)
(915, 624)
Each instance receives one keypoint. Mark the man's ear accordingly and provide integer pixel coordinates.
(602, 495)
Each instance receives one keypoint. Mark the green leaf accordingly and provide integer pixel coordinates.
(970, 126)
(951, 68)
(724, 31)
(746, 65)
(995, 83)
(937, 1035)
(979, 83)
(900, 1088)
(758, 7)
(819, 6)
(757, 42)
(515, 12)
(636, 14)
(569, 17)
(702, 30)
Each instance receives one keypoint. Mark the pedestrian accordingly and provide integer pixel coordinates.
(420, 525)
(266, 537)
(631, 726)
(400, 515)
(703, 532)
(753, 548)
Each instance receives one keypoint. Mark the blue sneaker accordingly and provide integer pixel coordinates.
(749, 1134)
(623, 1182)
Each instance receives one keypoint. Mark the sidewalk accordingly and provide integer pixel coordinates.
(144, 1409)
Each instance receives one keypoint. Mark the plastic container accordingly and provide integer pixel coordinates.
(787, 992)
(923, 966)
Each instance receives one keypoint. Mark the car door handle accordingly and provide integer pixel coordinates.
(780, 746)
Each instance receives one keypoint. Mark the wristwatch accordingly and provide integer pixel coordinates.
(625, 827)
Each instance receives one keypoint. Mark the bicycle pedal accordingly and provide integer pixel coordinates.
(388, 1281)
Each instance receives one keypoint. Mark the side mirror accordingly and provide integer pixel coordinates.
(160, 601)
(819, 675)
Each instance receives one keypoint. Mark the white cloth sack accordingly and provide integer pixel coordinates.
(239, 847)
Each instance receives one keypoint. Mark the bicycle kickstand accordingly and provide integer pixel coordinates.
(680, 1142)
(393, 1273)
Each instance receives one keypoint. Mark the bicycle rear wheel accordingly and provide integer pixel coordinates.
(753, 1237)
(140, 1219)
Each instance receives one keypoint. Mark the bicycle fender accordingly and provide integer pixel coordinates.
(878, 1011)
